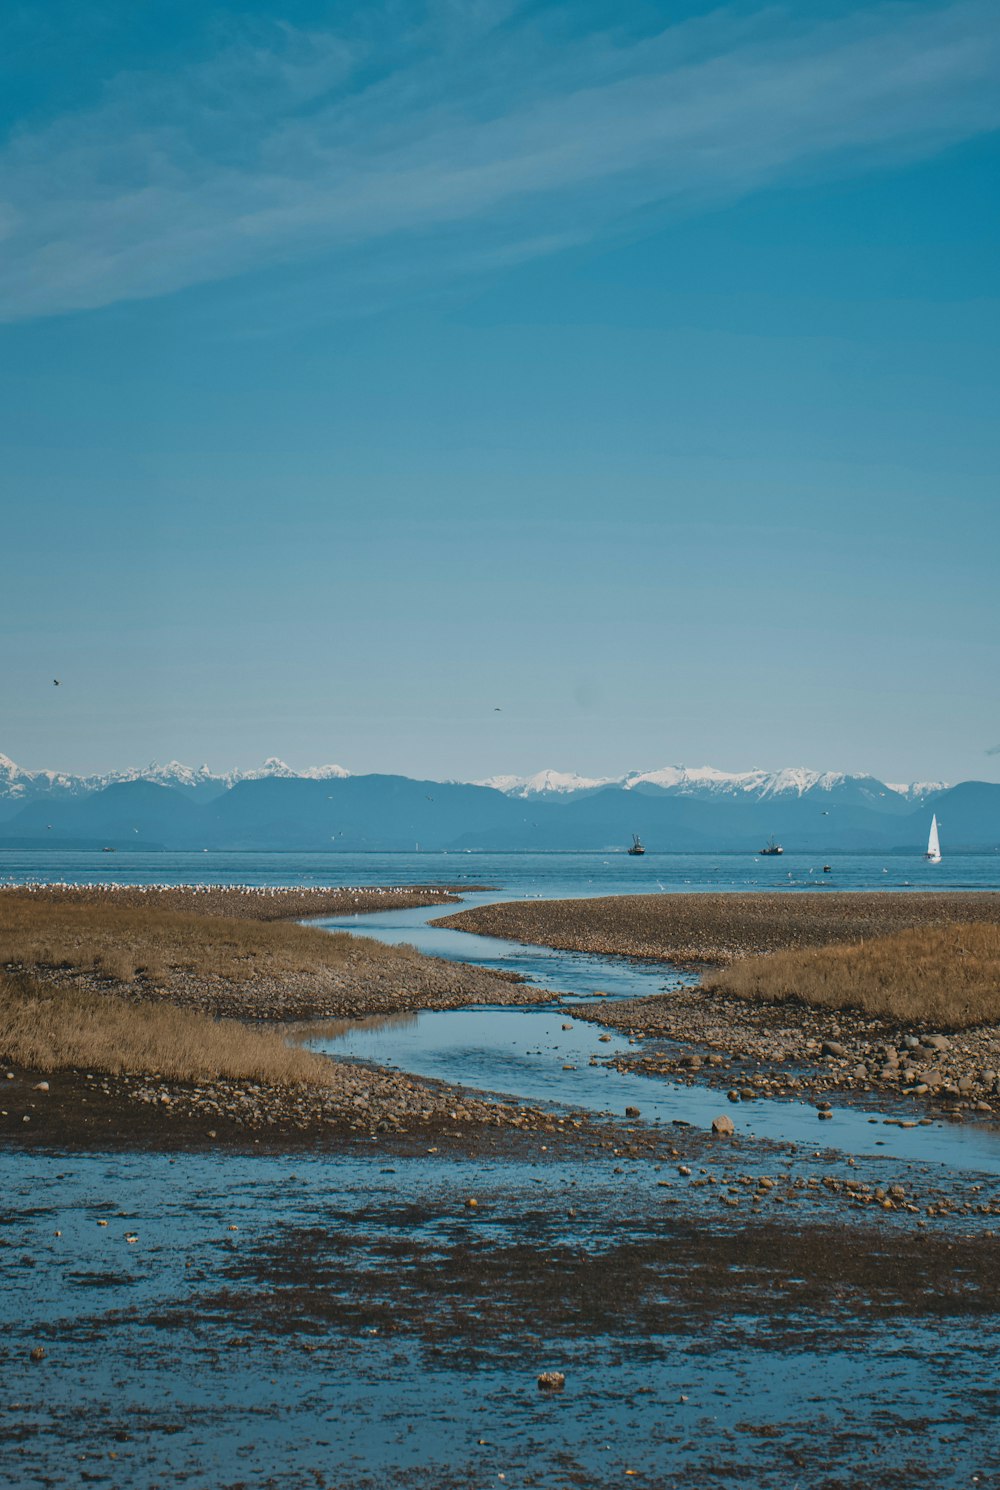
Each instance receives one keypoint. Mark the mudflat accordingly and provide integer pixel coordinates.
(720, 929)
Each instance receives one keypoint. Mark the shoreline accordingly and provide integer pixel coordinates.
(752, 1047)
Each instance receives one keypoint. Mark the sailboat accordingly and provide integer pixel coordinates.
(933, 854)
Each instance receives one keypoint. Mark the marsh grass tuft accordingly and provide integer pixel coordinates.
(944, 976)
(123, 943)
(49, 1027)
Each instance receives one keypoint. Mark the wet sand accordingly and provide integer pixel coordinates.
(281, 1321)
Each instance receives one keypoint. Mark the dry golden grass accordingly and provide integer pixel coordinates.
(121, 942)
(53, 1027)
(947, 976)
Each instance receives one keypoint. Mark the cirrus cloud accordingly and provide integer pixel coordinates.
(495, 126)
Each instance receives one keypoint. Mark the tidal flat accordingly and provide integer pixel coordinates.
(348, 1319)
(229, 1287)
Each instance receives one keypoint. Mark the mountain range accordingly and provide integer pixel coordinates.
(326, 809)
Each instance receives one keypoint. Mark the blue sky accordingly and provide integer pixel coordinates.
(367, 368)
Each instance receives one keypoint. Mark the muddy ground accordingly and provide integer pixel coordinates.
(285, 1321)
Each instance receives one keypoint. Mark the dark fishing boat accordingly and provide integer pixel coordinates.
(771, 847)
(637, 847)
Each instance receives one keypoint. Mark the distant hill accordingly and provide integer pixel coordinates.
(395, 813)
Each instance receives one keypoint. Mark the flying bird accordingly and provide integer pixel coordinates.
(497, 709)
(55, 682)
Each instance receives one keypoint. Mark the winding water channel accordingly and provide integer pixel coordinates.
(340, 1317)
(542, 1054)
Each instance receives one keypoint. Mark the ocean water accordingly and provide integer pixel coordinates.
(519, 875)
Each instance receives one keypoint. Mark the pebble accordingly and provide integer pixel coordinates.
(551, 1381)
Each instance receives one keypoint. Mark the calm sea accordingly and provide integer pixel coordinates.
(552, 874)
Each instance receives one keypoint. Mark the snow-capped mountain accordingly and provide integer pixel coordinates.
(20, 785)
(557, 783)
(916, 791)
(707, 781)
(275, 767)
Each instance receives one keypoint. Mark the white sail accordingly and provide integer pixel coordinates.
(933, 843)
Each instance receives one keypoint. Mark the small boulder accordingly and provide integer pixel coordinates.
(632, 1112)
(551, 1381)
(723, 1125)
(40, 1086)
(834, 1048)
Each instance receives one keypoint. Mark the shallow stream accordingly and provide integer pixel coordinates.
(529, 1053)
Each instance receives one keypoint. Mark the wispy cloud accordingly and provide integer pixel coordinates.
(496, 128)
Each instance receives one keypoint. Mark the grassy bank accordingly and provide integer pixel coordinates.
(229, 966)
(47, 1027)
(121, 941)
(721, 929)
(948, 976)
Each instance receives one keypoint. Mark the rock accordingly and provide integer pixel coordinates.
(965, 1083)
(38, 1353)
(911, 1042)
(604, 1038)
(551, 1381)
(988, 1076)
(40, 1086)
(632, 1112)
(471, 1203)
(723, 1125)
(690, 1062)
(937, 1042)
(733, 1096)
(824, 1113)
(860, 1071)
